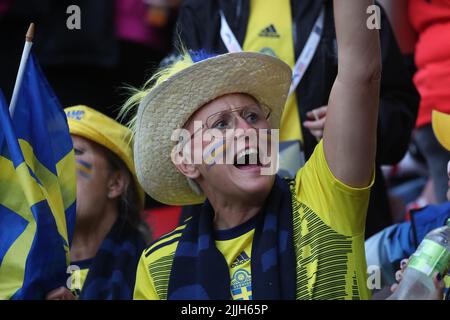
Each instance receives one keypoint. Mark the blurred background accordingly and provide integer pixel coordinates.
(120, 44)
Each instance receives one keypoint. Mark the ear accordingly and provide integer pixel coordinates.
(188, 169)
(117, 184)
(181, 159)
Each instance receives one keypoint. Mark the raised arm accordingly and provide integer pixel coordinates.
(351, 125)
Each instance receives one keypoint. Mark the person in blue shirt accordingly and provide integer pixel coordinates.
(390, 246)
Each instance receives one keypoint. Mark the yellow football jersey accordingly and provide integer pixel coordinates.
(269, 31)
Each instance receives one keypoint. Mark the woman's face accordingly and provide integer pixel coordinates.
(230, 178)
(93, 174)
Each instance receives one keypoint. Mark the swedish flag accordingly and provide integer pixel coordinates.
(37, 191)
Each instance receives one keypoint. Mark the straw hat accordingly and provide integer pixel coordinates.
(170, 104)
(441, 127)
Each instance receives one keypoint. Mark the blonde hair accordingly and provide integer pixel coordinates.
(129, 108)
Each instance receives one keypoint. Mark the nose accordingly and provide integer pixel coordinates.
(244, 133)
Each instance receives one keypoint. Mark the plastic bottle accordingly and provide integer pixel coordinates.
(432, 256)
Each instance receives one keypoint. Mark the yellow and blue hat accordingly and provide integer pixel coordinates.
(441, 128)
(95, 126)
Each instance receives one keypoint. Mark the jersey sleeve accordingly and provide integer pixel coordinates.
(338, 205)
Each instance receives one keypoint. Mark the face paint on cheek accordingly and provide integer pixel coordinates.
(84, 169)
(214, 154)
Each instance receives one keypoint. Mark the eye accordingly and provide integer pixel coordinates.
(78, 152)
(251, 117)
(220, 124)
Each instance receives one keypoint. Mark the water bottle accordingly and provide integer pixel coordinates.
(432, 256)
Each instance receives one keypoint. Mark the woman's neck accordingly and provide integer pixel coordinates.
(89, 235)
(232, 213)
(226, 219)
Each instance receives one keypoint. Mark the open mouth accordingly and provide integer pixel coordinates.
(247, 159)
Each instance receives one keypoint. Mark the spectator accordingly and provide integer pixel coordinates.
(256, 233)
(109, 235)
(387, 248)
(282, 28)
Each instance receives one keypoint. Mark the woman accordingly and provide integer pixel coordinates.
(258, 236)
(109, 235)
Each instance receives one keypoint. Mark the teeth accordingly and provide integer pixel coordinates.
(247, 152)
(244, 153)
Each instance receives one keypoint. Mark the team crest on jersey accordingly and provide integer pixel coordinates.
(241, 285)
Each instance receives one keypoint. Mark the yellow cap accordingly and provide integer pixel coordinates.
(95, 126)
(441, 127)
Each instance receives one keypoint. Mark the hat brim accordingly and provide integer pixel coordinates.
(441, 128)
(172, 102)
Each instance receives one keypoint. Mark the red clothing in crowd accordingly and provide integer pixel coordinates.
(162, 220)
(431, 21)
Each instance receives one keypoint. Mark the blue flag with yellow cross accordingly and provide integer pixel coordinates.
(37, 190)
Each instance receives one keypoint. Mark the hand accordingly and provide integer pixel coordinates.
(316, 122)
(399, 274)
(62, 293)
(438, 283)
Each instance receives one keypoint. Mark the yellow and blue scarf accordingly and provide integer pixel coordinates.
(112, 273)
(200, 271)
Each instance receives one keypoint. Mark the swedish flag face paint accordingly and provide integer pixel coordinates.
(93, 177)
(84, 168)
(215, 153)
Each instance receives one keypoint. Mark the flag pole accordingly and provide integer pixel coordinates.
(23, 62)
